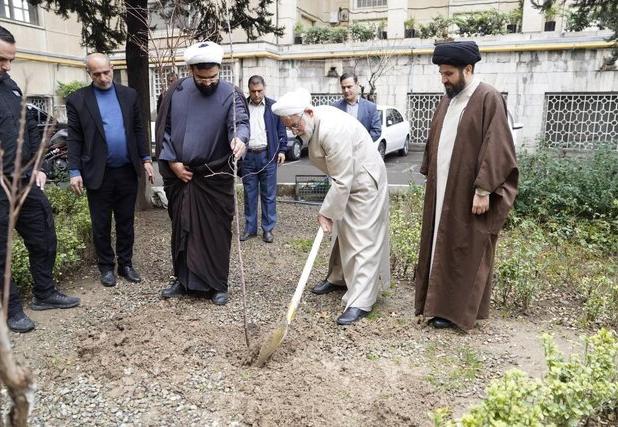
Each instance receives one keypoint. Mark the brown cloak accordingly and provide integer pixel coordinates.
(483, 157)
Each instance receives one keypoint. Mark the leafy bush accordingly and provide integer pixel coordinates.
(317, 35)
(338, 35)
(406, 215)
(572, 391)
(72, 221)
(553, 188)
(488, 22)
(362, 33)
(66, 89)
(519, 265)
(438, 28)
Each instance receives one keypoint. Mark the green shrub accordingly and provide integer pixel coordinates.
(488, 22)
(338, 35)
(406, 215)
(317, 35)
(572, 391)
(72, 222)
(438, 28)
(553, 188)
(362, 33)
(519, 266)
(66, 89)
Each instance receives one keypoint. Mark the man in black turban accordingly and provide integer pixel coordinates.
(471, 174)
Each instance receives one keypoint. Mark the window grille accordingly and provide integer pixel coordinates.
(421, 107)
(42, 102)
(19, 10)
(324, 98)
(581, 121)
(370, 3)
(182, 71)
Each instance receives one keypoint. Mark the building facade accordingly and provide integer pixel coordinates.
(49, 51)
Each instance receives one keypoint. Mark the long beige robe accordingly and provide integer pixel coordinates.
(357, 202)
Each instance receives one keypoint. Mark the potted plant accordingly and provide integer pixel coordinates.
(298, 33)
(550, 17)
(382, 34)
(410, 32)
(514, 17)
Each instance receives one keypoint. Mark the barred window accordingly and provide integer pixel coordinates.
(421, 107)
(581, 121)
(370, 3)
(158, 79)
(324, 98)
(41, 102)
(19, 10)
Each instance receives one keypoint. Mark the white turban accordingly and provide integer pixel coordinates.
(204, 52)
(292, 103)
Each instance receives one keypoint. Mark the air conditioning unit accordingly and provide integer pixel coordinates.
(334, 17)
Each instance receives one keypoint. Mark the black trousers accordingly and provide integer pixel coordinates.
(35, 225)
(116, 196)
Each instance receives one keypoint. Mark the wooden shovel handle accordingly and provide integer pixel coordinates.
(302, 282)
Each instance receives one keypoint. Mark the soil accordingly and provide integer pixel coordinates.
(126, 357)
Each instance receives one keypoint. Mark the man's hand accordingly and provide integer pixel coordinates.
(238, 148)
(40, 179)
(77, 184)
(325, 223)
(181, 171)
(149, 171)
(480, 204)
(280, 158)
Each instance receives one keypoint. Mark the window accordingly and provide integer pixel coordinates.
(397, 117)
(581, 121)
(19, 10)
(43, 103)
(370, 3)
(420, 112)
(324, 98)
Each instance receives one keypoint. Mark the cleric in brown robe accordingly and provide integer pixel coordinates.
(203, 122)
(471, 172)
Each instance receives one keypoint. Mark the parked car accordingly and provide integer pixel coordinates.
(395, 132)
(295, 146)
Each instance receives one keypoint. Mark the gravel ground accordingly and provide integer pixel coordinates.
(127, 358)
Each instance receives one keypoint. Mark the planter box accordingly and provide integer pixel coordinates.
(298, 39)
(410, 33)
(550, 26)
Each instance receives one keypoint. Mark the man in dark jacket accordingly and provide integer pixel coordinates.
(267, 147)
(365, 111)
(35, 223)
(108, 150)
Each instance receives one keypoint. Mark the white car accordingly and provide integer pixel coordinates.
(395, 132)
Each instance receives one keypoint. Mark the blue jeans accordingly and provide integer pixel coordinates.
(260, 177)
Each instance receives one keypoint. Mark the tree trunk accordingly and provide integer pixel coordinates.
(136, 54)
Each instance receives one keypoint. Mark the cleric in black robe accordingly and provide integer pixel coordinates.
(195, 147)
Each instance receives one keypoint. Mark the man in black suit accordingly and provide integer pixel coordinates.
(107, 151)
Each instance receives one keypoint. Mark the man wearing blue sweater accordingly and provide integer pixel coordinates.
(108, 150)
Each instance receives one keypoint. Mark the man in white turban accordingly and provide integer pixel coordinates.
(195, 143)
(355, 208)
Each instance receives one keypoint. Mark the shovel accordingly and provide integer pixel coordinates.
(274, 340)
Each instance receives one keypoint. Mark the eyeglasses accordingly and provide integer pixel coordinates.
(207, 79)
(296, 126)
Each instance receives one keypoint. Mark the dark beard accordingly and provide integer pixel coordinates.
(453, 91)
(206, 90)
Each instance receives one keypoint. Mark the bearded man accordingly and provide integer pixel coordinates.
(202, 122)
(355, 208)
(472, 173)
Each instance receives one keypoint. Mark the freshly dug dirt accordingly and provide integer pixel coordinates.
(126, 357)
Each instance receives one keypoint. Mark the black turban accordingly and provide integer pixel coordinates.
(456, 53)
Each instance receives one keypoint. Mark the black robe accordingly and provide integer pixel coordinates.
(202, 209)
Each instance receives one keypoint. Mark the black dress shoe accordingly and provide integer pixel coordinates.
(174, 289)
(268, 237)
(129, 273)
(55, 300)
(440, 323)
(19, 322)
(325, 287)
(351, 315)
(219, 298)
(108, 278)
(247, 236)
